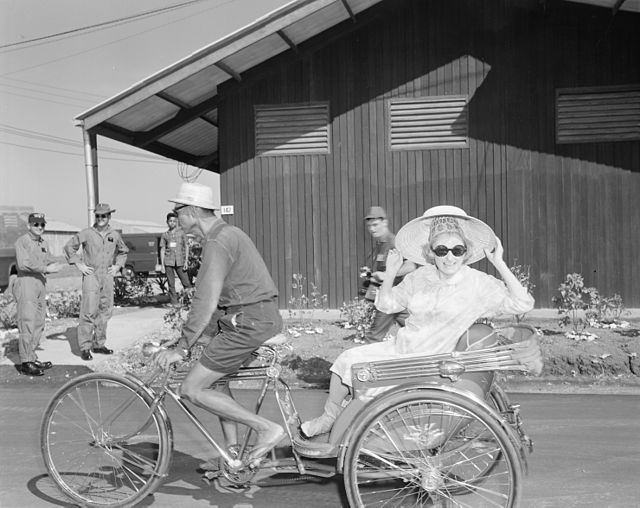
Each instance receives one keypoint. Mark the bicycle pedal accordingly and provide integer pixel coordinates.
(210, 476)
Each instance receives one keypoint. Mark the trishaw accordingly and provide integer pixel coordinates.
(420, 431)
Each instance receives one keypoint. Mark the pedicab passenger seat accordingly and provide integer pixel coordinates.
(517, 349)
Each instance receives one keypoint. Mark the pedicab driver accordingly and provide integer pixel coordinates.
(233, 279)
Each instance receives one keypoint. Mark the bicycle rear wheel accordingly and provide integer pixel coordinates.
(101, 443)
(431, 448)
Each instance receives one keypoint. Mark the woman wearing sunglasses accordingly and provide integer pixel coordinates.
(444, 296)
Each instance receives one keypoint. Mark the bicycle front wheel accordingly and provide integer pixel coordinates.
(102, 444)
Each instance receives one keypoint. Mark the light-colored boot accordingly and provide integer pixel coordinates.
(324, 422)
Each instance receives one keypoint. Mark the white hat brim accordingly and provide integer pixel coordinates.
(192, 202)
(412, 237)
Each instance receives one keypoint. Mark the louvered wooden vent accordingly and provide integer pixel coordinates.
(586, 115)
(428, 122)
(292, 129)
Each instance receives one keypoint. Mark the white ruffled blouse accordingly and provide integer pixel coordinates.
(442, 309)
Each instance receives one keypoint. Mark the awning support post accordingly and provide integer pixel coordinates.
(91, 172)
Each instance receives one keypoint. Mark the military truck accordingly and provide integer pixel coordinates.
(13, 224)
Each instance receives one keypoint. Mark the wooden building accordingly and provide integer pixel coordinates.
(526, 113)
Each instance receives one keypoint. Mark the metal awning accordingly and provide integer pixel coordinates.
(174, 112)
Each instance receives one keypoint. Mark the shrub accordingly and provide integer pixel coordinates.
(8, 311)
(357, 314)
(610, 309)
(176, 316)
(131, 291)
(195, 258)
(62, 304)
(578, 305)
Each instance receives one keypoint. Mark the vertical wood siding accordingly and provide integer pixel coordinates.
(558, 208)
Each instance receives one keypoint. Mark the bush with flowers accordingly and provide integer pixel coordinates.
(357, 314)
(62, 304)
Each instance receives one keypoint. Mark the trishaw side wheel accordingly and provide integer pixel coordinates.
(102, 443)
(431, 448)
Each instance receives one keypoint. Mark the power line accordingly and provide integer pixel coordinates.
(41, 136)
(94, 95)
(27, 89)
(114, 41)
(103, 25)
(50, 101)
(81, 154)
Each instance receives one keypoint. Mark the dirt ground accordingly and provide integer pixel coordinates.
(612, 361)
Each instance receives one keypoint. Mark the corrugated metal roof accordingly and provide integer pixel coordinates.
(174, 111)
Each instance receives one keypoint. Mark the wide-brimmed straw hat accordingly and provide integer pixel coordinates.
(196, 194)
(414, 235)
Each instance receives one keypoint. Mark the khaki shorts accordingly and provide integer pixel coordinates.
(242, 330)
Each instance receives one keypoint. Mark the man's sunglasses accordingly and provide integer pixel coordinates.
(103, 215)
(441, 251)
(38, 224)
(176, 209)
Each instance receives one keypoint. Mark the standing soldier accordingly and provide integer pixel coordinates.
(34, 261)
(103, 256)
(174, 256)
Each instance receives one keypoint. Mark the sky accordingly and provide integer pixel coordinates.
(44, 84)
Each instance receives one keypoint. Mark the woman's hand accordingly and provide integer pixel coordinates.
(394, 261)
(495, 256)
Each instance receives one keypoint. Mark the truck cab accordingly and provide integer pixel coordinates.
(143, 258)
(13, 224)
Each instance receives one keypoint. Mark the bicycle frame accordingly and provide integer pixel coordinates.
(268, 374)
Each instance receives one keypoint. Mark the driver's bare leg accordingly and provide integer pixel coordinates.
(229, 427)
(196, 388)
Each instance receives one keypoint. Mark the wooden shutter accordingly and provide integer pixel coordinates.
(290, 129)
(586, 115)
(428, 122)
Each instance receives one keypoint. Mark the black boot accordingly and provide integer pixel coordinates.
(103, 350)
(31, 369)
(43, 365)
(85, 354)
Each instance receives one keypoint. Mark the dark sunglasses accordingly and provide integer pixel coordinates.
(441, 251)
(103, 215)
(176, 209)
(38, 224)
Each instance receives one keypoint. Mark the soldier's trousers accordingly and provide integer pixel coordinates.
(31, 305)
(96, 309)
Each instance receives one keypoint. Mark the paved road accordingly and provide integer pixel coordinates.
(587, 454)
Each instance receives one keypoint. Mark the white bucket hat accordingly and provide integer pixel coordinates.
(414, 235)
(196, 194)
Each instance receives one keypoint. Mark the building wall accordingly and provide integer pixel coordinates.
(557, 208)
